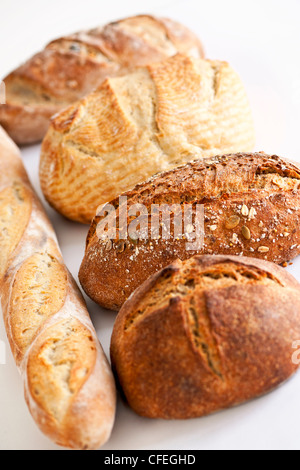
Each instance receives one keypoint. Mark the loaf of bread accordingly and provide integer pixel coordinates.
(72, 66)
(206, 334)
(134, 126)
(250, 204)
(68, 383)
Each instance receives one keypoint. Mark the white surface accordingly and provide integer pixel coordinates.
(261, 39)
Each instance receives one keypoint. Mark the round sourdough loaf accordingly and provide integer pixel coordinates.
(134, 126)
(206, 334)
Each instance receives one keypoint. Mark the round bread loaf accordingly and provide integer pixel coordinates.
(72, 66)
(134, 126)
(206, 334)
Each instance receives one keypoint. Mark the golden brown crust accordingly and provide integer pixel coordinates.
(35, 298)
(14, 218)
(205, 334)
(68, 383)
(72, 66)
(134, 126)
(251, 208)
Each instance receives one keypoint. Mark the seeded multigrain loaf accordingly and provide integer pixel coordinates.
(69, 387)
(206, 334)
(251, 207)
(72, 66)
(143, 123)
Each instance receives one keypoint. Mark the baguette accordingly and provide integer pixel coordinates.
(251, 207)
(206, 334)
(68, 384)
(72, 66)
(143, 123)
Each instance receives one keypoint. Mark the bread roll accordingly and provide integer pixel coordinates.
(146, 122)
(251, 207)
(206, 334)
(68, 384)
(72, 66)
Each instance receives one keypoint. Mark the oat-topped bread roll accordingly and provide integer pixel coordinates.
(69, 387)
(206, 334)
(135, 126)
(72, 66)
(250, 204)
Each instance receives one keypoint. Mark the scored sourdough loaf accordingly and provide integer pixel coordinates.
(68, 383)
(132, 127)
(72, 66)
(206, 334)
(251, 207)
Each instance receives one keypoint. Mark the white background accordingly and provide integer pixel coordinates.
(261, 40)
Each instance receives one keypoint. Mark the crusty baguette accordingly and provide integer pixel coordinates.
(251, 208)
(135, 126)
(206, 334)
(69, 387)
(72, 66)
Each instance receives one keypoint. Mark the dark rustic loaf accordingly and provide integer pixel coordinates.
(72, 66)
(206, 334)
(251, 208)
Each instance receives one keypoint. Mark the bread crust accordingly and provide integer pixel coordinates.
(135, 126)
(261, 193)
(72, 66)
(206, 334)
(68, 384)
